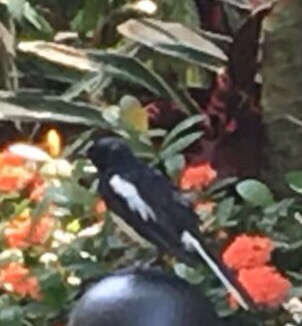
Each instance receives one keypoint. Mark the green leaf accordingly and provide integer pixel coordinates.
(281, 208)
(27, 106)
(79, 143)
(38, 21)
(87, 18)
(87, 269)
(193, 276)
(179, 145)
(224, 211)
(174, 165)
(219, 185)
(175, 40)
(15, 8)
(54, 291)
(127, 68)
(89, 83)
(255, 192)
(182, 126)
(11, 316)
(294, 180)
(69, 194)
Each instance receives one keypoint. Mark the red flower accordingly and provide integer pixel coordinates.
(248, 251)
(197, 176)
(17, 278)
(22, 232)
(265, 285)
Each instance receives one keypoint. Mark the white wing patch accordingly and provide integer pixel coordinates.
(130, 194)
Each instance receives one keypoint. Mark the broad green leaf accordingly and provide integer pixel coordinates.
(127, 68)
(38, 21)
(179, 145)
(69, 194)
(174, 165)
(15, 8)
(182, 126)
(87, 18)
(280, 208)
(154, 133)
(11, 316)
(221, 184)
(89, 83)
(53, 287)
(36, 107)
(224, 211)
(294, 180)
(255, 192)
(176, 40)
(190, 274)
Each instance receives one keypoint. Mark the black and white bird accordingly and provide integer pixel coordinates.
(148, 202)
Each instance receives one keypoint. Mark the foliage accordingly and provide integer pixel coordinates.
(128, 72)
(281, 97)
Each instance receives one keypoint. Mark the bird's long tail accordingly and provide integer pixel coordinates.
(191, 242)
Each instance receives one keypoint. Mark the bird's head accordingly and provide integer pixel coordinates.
(108, 151)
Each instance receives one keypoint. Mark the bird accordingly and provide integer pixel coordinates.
(155, 208)
(149, 297)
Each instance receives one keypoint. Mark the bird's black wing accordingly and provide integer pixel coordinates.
(170, 213)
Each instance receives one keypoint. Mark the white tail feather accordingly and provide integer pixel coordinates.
(191, 242)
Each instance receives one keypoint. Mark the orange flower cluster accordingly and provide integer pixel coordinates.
(249, 257)
(13, 175)
(264, 284)
(248, 252)
(16, 176)
(16, 278)
(197, 176)
(23, 232)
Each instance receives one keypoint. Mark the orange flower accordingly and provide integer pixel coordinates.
(14, 178)
(22, 232)
(265, 285)
(14, 175)
(100, 207)
(197, 176)
(8, 158)
(17, 278)
(248, 251)
(37, 188)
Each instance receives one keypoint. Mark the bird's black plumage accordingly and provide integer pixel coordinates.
(152, 205)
